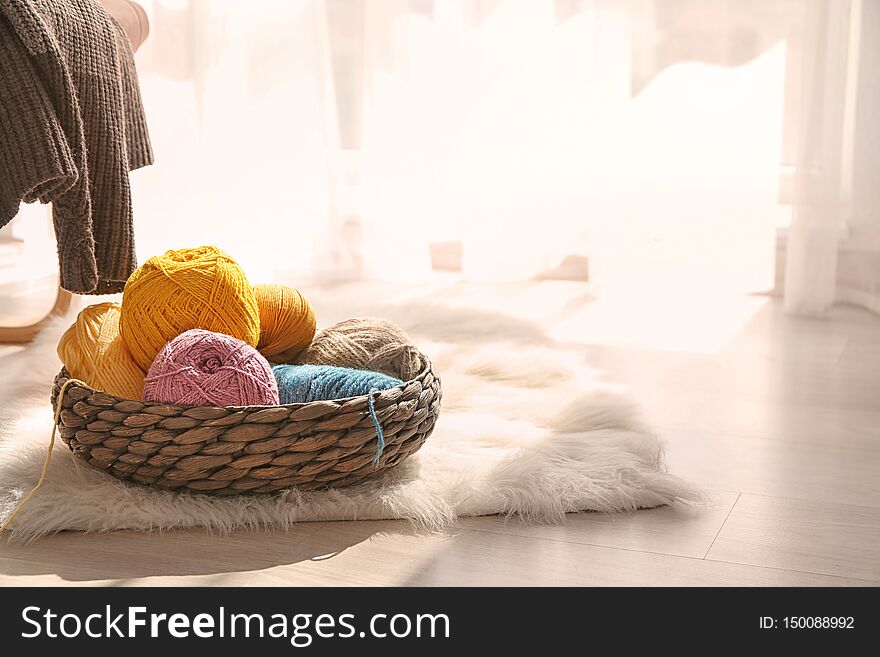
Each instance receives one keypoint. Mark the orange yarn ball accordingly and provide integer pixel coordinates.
(202, 287)
(287, 322)
(92, 350)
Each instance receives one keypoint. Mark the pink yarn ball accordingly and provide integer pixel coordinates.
(202, 368)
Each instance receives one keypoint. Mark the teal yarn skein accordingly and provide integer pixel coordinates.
(306, 383)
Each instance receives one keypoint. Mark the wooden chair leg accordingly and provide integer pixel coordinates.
(20, 334)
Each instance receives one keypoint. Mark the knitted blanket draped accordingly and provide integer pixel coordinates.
(71, 128)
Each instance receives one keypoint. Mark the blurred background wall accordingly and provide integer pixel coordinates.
(644, 147)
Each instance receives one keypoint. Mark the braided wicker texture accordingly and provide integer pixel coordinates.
(253, 449)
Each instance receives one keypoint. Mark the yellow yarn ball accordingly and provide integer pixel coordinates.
(202, 287)
(287, 321)
(92, 350)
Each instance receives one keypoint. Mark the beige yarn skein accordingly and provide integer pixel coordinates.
(365, 343)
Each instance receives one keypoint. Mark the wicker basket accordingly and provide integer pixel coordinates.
(252, 449)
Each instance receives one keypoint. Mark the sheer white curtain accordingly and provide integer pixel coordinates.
(825, 159)
(650, 143)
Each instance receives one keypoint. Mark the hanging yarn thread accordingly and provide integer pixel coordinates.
(305, 383)
(45, 469)
(92, 350)
(365, 343)
(201, 368)
(287, 322)
(201, 287)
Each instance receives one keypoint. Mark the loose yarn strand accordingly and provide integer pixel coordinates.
(27, 498)
(379, 437)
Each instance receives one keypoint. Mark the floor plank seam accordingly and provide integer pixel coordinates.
(666, 430)
(846, 341)
(721, 528)
(676, 555)
(593, 545)
(875, 582)
(811, 500)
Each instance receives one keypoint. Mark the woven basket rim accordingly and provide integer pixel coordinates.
(235, 450)
(426, 366)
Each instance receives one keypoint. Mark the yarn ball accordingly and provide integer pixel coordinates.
(287, 321)
(365, 343)
(202, 287)
(202, 368)
(93, 351)
(305, 383)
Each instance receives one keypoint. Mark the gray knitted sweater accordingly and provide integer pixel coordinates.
(71, 128)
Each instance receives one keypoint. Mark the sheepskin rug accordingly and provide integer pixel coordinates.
(526, 429)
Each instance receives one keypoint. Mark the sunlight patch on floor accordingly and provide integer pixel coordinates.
(667, 323)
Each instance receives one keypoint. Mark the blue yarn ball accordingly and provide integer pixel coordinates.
(305, 383)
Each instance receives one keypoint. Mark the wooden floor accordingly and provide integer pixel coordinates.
(777, 418)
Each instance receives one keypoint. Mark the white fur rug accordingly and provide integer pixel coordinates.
(526, 429)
